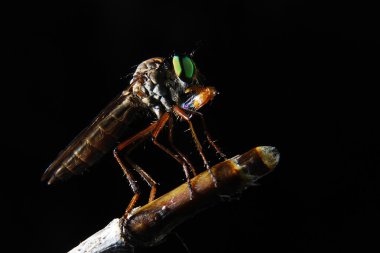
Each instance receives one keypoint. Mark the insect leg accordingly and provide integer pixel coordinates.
(184, 116)
(177, 150)
(148, 179)
(208, 136)
(136, 137)
(131, 180)
(155, 134)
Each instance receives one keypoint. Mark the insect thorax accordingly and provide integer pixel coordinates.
(156, 86)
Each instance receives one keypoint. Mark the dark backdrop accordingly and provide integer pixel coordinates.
(297, 76)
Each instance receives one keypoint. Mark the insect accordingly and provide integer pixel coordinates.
(164, 87)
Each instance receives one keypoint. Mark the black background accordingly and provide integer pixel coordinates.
(297, 76)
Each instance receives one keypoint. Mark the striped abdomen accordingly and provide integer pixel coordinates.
(95, 141)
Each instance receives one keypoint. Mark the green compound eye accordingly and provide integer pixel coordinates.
(184, 68)
(188, 66)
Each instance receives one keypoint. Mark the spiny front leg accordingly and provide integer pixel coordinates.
(185, 117)
(183, 156)
(155, 134)
(208, 136)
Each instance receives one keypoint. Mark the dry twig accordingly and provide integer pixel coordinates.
(150, 224)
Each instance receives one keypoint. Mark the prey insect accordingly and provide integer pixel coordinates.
(164, 87)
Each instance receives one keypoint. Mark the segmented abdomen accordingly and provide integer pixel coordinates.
(95, 141)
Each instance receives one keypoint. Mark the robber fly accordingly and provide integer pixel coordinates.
(165, 87)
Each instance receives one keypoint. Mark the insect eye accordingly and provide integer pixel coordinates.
(184, 68)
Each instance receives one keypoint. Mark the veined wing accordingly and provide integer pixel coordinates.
(94, 141)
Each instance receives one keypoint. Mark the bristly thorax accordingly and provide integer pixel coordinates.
(156, 85)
